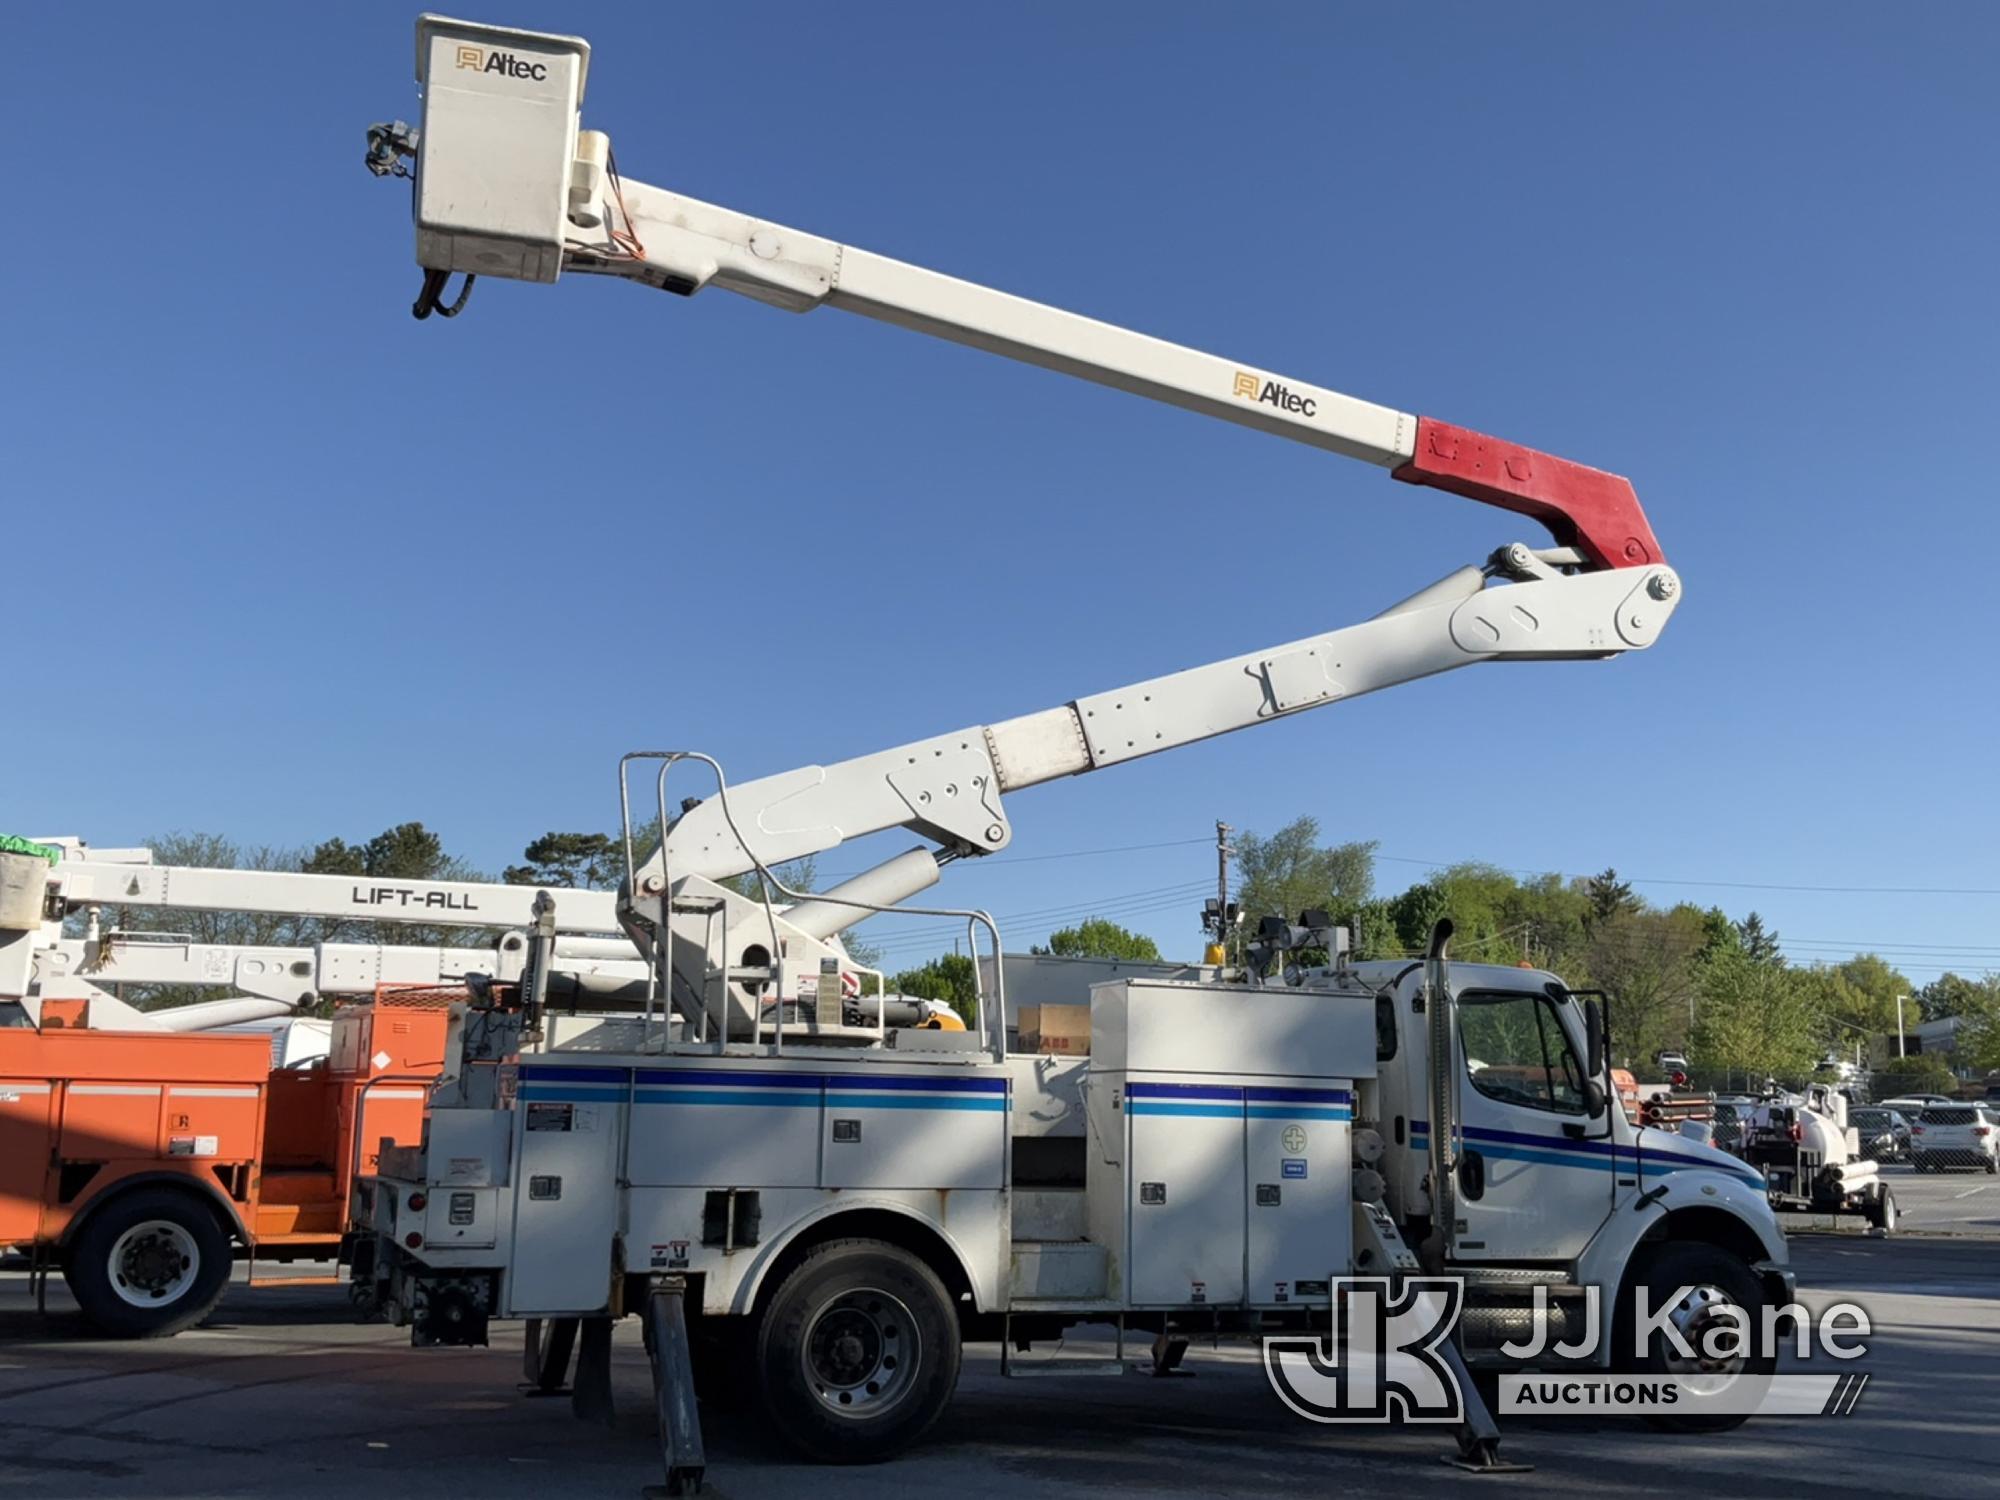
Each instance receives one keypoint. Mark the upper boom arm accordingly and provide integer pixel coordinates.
(508, 185)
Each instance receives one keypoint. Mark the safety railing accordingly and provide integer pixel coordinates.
(770, 987)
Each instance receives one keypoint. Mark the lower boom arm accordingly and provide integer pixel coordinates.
(949, 788)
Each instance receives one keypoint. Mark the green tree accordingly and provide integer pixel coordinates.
(1609, 896)
(1290, 872)
(1760, 945)
(1648, 962)
(1955, 995)
(1919, 1073)
(1097, 937)
(1754, 1021)
(578, 861)
(1978, 1010)
(1415, 912)
(1552, 919)
(950, 977)
(1857, 995)
(1480, 899)
(1373, 928)
(1723, 935)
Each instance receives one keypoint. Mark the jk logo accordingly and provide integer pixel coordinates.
(1380, 1361)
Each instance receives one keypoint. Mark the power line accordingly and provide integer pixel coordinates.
(936, 937)
(1028, 859)
(1446, 864)
(1131, 903)
(1142, 902)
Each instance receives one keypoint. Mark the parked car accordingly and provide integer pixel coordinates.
(1909, 1106)
(1955, 1135)
(1885, 1133)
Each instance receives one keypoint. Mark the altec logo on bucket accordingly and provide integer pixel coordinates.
(479, 60)
(1271, 393)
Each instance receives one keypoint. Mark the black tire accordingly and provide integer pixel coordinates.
(1660, 1272)
(835, 1369)
(1880, 1209)
(148, 1263)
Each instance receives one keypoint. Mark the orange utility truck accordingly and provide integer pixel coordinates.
(141, 1164)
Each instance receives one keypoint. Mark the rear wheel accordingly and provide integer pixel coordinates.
(858, 1352)
(1880, 1209)
(148, 1264)
(1703, 1281)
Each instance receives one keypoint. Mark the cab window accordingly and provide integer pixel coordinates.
(1516, 1051)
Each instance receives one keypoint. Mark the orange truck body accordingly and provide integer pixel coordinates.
(86, 1115)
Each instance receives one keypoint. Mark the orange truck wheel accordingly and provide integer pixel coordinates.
(148, 1263)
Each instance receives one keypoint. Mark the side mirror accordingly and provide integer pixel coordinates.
(1593, 1046)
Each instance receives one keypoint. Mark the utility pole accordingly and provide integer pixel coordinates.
(1899, 1026)
(1222, 853)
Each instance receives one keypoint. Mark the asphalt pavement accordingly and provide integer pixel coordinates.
(281, 1393)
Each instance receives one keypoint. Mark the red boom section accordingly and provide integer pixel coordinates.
(1582, 507)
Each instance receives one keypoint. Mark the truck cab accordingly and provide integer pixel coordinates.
(1550, 1178)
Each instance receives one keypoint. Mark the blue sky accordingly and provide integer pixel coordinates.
(289, 564)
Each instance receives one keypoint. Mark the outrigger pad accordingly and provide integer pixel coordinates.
(1483, 1457)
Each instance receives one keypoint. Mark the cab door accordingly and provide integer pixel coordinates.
(1537, 1175)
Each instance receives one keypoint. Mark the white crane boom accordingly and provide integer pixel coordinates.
(509, 184)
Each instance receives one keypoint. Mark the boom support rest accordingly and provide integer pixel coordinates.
(1585, 508)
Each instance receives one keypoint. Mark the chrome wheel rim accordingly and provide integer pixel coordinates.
(861, 1353)
(153, 1263)
(1693, 1317)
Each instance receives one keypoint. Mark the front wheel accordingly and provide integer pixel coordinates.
(858, 1352)
(148, 1264)
(1702, 1282)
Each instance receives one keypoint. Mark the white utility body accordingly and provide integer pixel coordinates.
(1812, 1160)
(834, 1202)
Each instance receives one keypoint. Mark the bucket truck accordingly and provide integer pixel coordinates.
(842, 1204)
(141, 1148)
